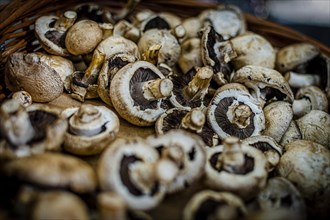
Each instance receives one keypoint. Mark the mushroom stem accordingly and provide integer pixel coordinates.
(151, 55)
(66, 21)
(179, 31)
(157, 89)
(239, 114)
(107, 30)
(301, 106)
(232, 157)
(298, 80)
(194, 120)
(166, 171)
(127, 30)
(200, 82)
(92, 72)
(144, 175)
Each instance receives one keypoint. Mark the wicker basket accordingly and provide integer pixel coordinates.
(17, 34)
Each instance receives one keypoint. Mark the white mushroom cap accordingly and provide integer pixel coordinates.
(186, 150)
(236, 168)
(111, 206)
(315, 126)
(53, 170)
(91, 129)
(210, 204)
(131, 88)
(291, 134)
(306, 165)
(234, 112)
(192, 25)
(278, 116)
(127, 167)
(59, 205)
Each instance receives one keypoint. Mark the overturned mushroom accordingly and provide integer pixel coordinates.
(132, 169)
(186, 150)
(279, 194)
(137, 92)
(190, 89)
(266, 84)
(234, 112)
(309, 98)
(164, 20)
(269, 147)
(35, 130)
(51, 30)
(53, 170)
(30, 72)
(227, 20)
(306, 165)
(209, 204)
(91, 129)
(237, 168)
(193, 121)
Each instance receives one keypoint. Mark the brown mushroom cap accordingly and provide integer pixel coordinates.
(52, 170)
(306, 165)
(59, 205)
(28, 72)
(209, 204)
(83, 37)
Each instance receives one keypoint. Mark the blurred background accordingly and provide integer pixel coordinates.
(311, 17)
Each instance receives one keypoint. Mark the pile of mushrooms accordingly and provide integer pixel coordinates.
(231, 113)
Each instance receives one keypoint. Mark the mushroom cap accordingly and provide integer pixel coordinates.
(278, 116)
(252, 49)
(262, 78)
(51, 39)
(293, 55)
(270, 148)
(190, 54)
(208, 204)
(192, 25)
(138, 112)
(315, 126)
(53, 170)
(218, 119)
(291, 134)
(247, 184)
(280, 193)
(84, 141)
(227, 20)
(29, 73)
(191, 163)
(169, 52)
(83, 37)
(306, 165)
(315, 95)
(117, 170)
(59, 205)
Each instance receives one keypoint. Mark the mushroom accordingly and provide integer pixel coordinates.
(291, 134)
(84, 84)
(168, 46)
(208, 204)
(306, 165)
(91, 129)
(83, 37)
(266, 84)
(234, 112)
(278, 116)
(192, 25)
(137, 92)
(186, 150)
(23, 97)
(148, 20)
(51, 30)
(91, 11)
(236, 167)
(125, 29)
(133, 170)
(58, 205)
(190, 89)
(111, 206)
(315, 126)
(227, 20)
(33, 130)
(309, 98)
(193, 121)
(269, 147)
(190, 54)
(29, 72)
(53, 170)
(281, 194)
